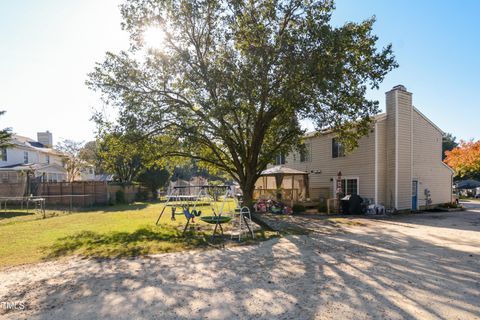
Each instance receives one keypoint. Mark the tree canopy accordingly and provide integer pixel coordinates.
(229, 80)
(465, 159)
(154, 178)
(73, 162)
(89, 154)
(448, 143)
(5, 135)
(125, 155)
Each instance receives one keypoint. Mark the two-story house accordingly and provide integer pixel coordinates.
(29, 156)
(398, 164)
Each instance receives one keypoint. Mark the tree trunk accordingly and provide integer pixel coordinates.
(248, 188)
(247, 197)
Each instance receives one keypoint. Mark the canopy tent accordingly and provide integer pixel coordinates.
(283, 170)
(284, 182)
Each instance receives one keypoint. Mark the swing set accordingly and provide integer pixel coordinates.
(190, 207)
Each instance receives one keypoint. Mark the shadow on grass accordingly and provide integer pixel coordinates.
(142, 241)
(118, 207)
(13, 214)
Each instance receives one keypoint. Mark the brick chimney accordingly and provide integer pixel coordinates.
(45, 138)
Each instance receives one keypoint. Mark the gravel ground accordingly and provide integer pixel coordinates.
(424, 266)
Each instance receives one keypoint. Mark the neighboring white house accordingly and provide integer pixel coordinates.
(399, 164)
(28, 155)
(86, 173)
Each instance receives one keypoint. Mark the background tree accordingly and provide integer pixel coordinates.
(448, 143)
(465, 159)
(126, 154)
(73, 162)
(230, 80)
(188, 170)
(89, 154)
(154, 178)
(120, 157)
(5, 135)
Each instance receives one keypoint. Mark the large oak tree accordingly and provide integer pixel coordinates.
(230, 80)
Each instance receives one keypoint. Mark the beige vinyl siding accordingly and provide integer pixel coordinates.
(404, 149)
(360, 163)
(390, 149)
(381, 128)
(403, 146)
(399, 150)
(428, 168)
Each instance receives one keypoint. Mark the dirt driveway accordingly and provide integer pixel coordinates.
(423, 266)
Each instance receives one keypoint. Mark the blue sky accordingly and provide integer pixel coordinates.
(47, 47)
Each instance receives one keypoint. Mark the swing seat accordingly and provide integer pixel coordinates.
(188, 214)
(216, 219)
(196, 213)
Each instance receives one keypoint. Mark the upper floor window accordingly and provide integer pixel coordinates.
(337, 149)
(25, 157)
(280, 159)
(305, 153)
(47, 159)
(3, 154)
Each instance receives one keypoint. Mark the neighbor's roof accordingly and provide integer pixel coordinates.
(29, 143)
(29, 166)
(467, 184)
(281, 169)
(103, 177)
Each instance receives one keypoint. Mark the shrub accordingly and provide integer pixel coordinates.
(322, 207)
(141, 195)
(120, 196)
(298, 208)
(450, 205)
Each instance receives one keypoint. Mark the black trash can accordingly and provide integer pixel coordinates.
(355, 204)
(344, 204)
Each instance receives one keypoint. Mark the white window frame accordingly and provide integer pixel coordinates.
(346, 178)
(3, 154)
(47, 159)
(278, 159)
(308, 154)
(340, 146)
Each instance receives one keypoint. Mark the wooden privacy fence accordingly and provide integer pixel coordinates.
(72, 194)
(12, 189)
(76, 194)
(130, 192)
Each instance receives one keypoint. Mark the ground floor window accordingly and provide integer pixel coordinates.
(53, 177)
(350, 186)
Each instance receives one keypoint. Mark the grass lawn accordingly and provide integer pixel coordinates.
(107, 232)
